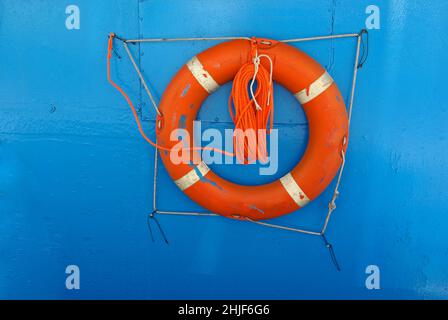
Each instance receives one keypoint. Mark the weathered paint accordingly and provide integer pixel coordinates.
(76, 179)
(185, 91)
(181, 124)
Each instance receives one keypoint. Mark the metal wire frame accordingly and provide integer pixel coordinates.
(331, 205)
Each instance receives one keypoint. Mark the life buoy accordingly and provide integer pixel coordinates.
(315, 90)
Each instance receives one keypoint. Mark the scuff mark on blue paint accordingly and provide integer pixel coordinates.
(331, 48)
(185, 91)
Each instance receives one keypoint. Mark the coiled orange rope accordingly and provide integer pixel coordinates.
(253, 114)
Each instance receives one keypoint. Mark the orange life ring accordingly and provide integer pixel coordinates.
(312, 86)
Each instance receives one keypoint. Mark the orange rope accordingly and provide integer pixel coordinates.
(246, 114)
(254, 113)
(134, 112)
(131, 105)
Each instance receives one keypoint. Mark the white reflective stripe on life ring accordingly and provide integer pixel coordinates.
(315, 88)
(294, 190)
(202, 76)
(193, 176)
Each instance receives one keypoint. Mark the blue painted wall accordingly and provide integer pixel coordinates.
(76, 177)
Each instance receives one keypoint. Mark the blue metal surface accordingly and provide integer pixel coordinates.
(76, 177)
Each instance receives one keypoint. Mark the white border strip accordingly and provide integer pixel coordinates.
(315, 88)
(192, 177)
(202, 76)
(294, 190)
